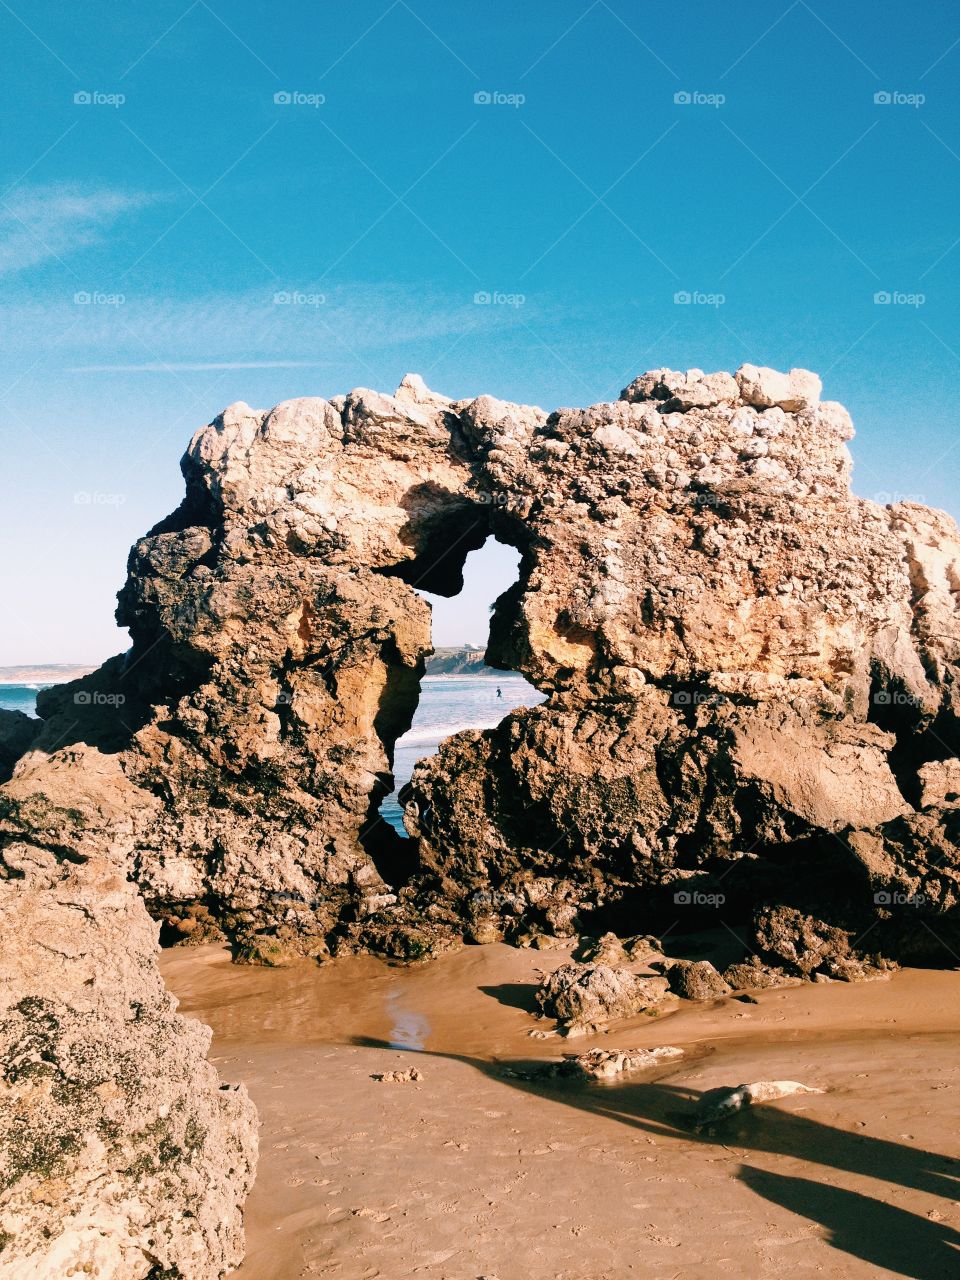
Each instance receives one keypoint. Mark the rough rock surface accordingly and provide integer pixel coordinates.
(121, 1154)
(754, 975)
(809, 948)
(584, 996)
(753, 677)
(596, 1064)
(608, 1064)
(696, 980)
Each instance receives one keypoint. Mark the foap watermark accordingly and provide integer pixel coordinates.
(97, 98)
(695, 898)
(695, 298)
(94, 698)
(886, 499)
(496, 98)
(496, 298)
(697, 698)
(896, 298)
(298, 98)
(894, 98)
(694, 98)
(87, 298)
(897, 898)
(93, 498)
(895, 698)
(294, 298)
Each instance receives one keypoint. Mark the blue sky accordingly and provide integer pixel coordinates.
(380, 197)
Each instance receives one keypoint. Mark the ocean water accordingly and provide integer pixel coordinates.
(20, 697)
(447, 705)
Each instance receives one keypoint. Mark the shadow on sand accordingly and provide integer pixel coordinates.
(902, 1242)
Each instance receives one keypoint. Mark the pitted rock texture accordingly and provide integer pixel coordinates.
(754, 680)
(696, 980)
(752, 677)
(121, 1154)
(583, 997)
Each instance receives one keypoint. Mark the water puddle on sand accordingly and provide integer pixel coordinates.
(408, 1029)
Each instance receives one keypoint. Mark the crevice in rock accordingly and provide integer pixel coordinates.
(395, 854)
(919, 740)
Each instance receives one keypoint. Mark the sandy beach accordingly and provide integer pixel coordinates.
(468, 1173)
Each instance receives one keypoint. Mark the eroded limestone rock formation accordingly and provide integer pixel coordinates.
(754, 680)
(754, 704)
(121, 1154)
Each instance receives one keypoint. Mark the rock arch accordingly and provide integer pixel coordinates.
(746, 666)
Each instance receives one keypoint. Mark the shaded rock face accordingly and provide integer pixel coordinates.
(17, 732)
(121, 1154)
(752, 677)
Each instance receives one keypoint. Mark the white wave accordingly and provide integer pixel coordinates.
(436, 733)
(502, 678)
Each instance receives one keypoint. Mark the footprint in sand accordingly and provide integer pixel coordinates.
(373, 1214)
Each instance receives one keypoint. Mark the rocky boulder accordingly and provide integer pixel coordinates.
(696, 980)
(121, 1153)
(583, 997)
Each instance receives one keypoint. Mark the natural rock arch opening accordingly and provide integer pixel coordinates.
(469, 684)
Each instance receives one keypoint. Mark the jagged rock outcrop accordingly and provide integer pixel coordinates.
(121, 1154)
(752, 677)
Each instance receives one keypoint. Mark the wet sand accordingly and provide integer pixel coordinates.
(467, 1174)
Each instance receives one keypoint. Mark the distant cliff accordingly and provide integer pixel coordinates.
(463, 661)
(51, 673)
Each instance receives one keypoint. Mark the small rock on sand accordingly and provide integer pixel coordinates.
(696, 980)
(398, 1077)
(597, 1064)
(584, 996)
(607, 1064)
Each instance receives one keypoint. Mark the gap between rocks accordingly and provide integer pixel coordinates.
(442, 571)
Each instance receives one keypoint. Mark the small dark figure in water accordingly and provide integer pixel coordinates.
(499, 692)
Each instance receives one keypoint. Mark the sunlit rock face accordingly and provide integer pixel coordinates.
(121, 1153)
(753, 679)
(752, 676)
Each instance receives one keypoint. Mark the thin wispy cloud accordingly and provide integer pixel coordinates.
(39, 224)
(199, 366)
(86, 332)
